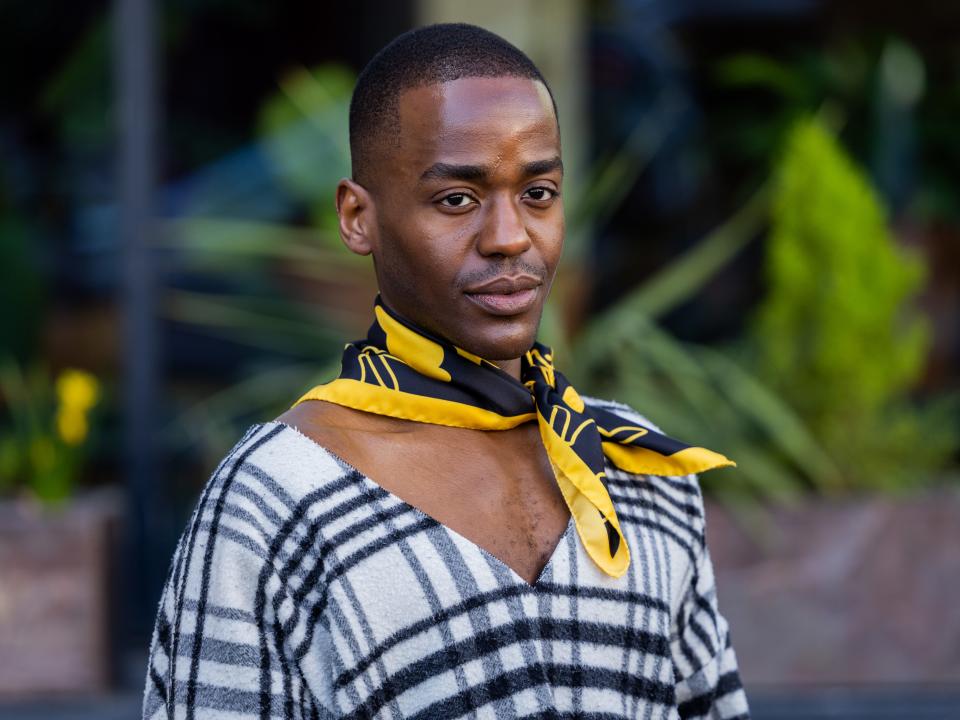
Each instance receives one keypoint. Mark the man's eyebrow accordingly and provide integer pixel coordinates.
(476, 173)
(542, 167)
(446, 171)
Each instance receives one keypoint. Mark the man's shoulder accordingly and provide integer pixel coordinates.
(277, 464)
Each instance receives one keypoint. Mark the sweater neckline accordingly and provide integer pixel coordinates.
(545, 571)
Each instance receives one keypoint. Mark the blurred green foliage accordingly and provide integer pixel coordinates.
(837, 334)
(22, 286)
(776, 401)
(697, 392)
(895, 111)
(70, 109)
(816, 395)
(77, 98)
(304, 129)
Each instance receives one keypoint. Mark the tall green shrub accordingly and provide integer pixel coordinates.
(837, 334)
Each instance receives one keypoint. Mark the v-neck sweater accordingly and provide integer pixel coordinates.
(303, 589)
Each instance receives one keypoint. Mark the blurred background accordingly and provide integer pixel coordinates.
(763, 256)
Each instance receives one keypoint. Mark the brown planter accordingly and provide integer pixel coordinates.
(54, 595)
(858, 592)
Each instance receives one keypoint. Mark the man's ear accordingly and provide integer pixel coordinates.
(357, 214)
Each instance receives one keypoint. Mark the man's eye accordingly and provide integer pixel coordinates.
(541, 194)
(456, 200)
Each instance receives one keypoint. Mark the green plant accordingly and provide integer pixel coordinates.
(44, 443)
(837, 335)
(700, 393)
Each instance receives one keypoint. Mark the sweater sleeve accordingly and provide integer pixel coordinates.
(221, 645)
(705, 666)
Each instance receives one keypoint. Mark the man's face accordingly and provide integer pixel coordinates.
(469, 219)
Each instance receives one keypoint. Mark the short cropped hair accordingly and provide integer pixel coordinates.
(424, 56)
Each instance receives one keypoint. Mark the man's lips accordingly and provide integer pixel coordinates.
(506, 295)
(505, 284)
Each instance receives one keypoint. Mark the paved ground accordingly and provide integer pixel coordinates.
(839, 704)
(831, 593)
(115, 707)
(848, 704)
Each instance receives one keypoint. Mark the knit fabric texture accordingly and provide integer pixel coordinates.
(302, 589)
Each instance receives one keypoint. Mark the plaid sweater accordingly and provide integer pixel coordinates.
(302, 589)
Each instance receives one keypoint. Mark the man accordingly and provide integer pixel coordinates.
(448, 529)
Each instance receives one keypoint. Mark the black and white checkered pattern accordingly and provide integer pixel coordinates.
(302, 589)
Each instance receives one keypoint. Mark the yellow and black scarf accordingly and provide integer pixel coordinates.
(402, 372)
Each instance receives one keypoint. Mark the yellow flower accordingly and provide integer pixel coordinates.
(77, 390)
(72, 425)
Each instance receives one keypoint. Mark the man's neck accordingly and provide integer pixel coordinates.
(511, 367)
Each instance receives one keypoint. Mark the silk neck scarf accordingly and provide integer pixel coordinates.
(401, 371)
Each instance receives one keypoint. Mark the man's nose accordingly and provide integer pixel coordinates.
(504, 232)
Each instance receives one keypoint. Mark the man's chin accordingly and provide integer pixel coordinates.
(469, 327)
(501, 342)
